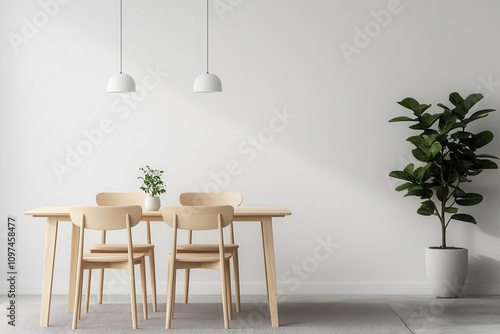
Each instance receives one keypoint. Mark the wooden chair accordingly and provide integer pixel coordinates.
(199, 218)
(108, 218)
(114, 199)
(208, 199)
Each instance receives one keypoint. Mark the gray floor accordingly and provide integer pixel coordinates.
(421, 313)
(427, 314)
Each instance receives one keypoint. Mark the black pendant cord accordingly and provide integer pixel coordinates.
(121, 38)
(207, 36)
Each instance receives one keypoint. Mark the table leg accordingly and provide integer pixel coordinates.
(75, 235)
(265, 268)
(48, 270)
(272, 290)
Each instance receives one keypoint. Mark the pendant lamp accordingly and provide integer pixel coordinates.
(121, 82)
(207, 82)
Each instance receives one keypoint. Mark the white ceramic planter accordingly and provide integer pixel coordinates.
(152, 203)
(446, 270)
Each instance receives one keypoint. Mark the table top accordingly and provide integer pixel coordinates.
(240, 211)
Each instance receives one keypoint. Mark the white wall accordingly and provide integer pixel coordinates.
(328, 162)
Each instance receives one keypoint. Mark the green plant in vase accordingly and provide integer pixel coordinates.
(448, 155)
(153, 185)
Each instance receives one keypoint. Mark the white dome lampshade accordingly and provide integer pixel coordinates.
(207, 83)
(121, 83)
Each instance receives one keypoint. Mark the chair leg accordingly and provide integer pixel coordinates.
(152, 274)
(144, 292)
(80, 293)
(224, 296)
(174, 288)
(170, 291)
(87, 297)
(76, 301)
(228, 294)
(236, 271)
(186, 285)
(101, 284)
(133, 304)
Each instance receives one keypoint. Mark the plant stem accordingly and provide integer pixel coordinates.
(443, 224)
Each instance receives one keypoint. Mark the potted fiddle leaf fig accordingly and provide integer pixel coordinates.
(448, 156)
(152, 184)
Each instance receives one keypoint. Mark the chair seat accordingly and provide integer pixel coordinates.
(106, 257)
(205, 247)
(200, 257)
(119, 248)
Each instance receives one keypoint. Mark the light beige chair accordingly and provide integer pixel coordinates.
(199, 218)
(114, 199)
(108, 218)
(209, 199)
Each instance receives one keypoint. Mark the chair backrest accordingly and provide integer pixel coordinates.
(210, 198)
(198, 217)
(116, 199)
(105, 217)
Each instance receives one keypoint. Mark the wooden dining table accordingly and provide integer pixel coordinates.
(56, 214)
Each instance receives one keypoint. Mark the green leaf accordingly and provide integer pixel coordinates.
(464, 217)
(409, 168)
(471, 100)
(417, 191)
(487, 164)
(418, 141)
(429, 119)
(459, 193)
(403, 119)
(482, 139)
(412, 104)
(469, 199)
(442, 192)
(451, 210)
(477, 115)
(426, 208)
(486, 156)
(446, 122)
(402, 175)
(435, 149)
(419, 126)
(425, 211)
(458, 102)
(458, 124)
(456, 99)
(420, 155)
(443, 106)
(404, 186)
(461, 135)
(428, 193)
(434, 118)
(421, 172)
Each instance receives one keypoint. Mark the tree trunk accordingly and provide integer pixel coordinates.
(443, 235)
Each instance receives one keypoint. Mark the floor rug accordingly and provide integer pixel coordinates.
(303, 318)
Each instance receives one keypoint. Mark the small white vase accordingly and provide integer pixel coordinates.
(152, 203)
(446, 270)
